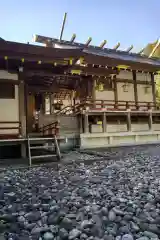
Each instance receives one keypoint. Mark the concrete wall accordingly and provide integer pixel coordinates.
(98, 140)
(156, 127)
(9, 108)
(115, 128)
(140, 127)
(111, 128)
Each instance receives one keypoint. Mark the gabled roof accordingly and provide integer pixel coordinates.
(35, 53)
(62, 50)
(115, 56)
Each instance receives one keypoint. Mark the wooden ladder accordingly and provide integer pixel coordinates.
(35, 143)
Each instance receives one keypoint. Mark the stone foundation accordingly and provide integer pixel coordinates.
(97, 140)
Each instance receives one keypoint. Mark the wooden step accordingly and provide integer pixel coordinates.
(44, 156)
(42, 147)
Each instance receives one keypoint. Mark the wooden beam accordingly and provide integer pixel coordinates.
(14, 82)
(42, 73)
(135, 88)
(100, 71)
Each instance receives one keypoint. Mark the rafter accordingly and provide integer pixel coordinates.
(129, 49)
(117, 46)
(103, 44)
(73, 38)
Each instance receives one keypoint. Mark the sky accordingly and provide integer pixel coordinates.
(126, 21)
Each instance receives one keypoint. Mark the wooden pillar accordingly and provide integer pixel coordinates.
(115, 92)
(26, 105)
(150, 121)
(86, 123)
(135, 88)
(22, 104)
(80, 123)
(43, 107)
(50, 103)
(104, 122)
(128, 121)
(94, 91)
(153, 89)
(22, 111)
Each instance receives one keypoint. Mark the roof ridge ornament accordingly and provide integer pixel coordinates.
(155, 48)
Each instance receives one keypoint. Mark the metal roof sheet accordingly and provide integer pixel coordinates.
(121, 56)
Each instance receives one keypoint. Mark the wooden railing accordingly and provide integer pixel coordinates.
(119, 106)
(109, 105)
(75, 108)
(50, 129)
(10, 125)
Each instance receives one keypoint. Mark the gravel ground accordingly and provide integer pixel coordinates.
(116, 197)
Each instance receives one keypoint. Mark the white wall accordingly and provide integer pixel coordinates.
(9, 108)
(143, 77)
(125, 96)
(125, 75)
(142, 95)
(105, 95)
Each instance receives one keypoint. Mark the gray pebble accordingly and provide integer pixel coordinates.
(48, 236)
(127, 237)
(111, 216)
(74, 234)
